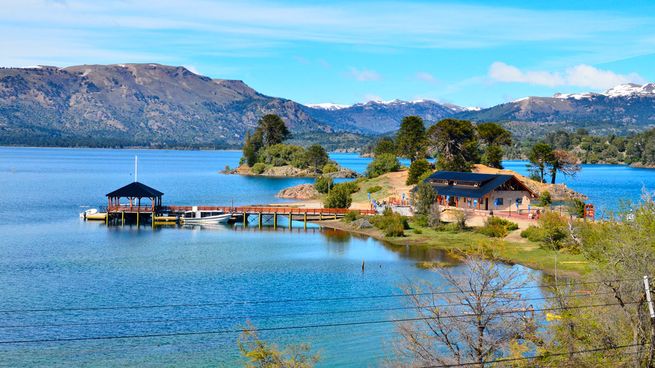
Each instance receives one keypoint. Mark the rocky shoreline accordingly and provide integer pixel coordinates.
(289, 171)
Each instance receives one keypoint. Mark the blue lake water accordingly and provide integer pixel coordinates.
(194, 280)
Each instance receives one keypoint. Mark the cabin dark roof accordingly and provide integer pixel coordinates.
(136, 190)
(470, 185)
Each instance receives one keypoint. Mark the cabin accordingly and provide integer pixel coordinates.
(489, 192)
(134, 193)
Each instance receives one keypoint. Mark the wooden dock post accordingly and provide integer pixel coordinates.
(274, 220)
(305, 220)
(290, 220)
(137, 218)
(152, 219)
(107, 218)
(260, 220)
(245, 219)
(122, 218)
(320, 215)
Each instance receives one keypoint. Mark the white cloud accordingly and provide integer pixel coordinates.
(578, 76)
(364, 75)
(426, 77)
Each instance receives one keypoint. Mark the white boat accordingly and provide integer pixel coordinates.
(89, 212)
(203, 218)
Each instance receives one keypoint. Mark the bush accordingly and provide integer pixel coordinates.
(323, 184)
(545, 199)
(374, 189)
(258, 168)
(423, 197)
(351, 216)
(283, 154)
(339, 197)
(434, 217)
(421, 220)
(382, 164)
(418, 231)
(392, 224)
(460, 219)
(533, 233)
(351, 186)
(416, 170)
(497, 227)
(576, 208)
(553, 231)
(329, 168)
(451, 227)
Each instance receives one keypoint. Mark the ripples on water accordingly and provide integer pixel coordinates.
(49, 259)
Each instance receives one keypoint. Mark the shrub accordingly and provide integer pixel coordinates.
(382, 164)
(421, 220)
(423, 197)
(392, 224)
(329, 168)
(545, 199)
(283, 154)
(417, 169)
(418, 231)
(460, 219)
(339, 197)
(351, 216)
(258, 168)
(351, 186)
(323, 184)
(576, 208)
(451, 227)
(374, 189)
(497, 227)
(434, 217)
(533, 233)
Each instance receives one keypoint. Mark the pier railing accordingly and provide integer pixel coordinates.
(266, 210)
(128, 208)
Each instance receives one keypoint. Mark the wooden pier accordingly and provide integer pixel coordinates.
(162, 215)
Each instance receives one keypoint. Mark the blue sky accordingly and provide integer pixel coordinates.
(467, 53)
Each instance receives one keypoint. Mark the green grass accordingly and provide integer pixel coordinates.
(362, 194)
(527, 253)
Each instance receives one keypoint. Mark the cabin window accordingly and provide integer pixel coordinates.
(519, 200)
(499, 202)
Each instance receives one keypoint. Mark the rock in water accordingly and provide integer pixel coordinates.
(302, 191)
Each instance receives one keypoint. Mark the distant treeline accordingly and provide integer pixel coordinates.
(637, 149)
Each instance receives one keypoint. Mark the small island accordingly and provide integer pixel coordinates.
(266, 154)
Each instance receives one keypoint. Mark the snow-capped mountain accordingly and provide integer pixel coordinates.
(373, 117)
(624, 105)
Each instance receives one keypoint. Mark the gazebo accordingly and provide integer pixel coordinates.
(134, 192)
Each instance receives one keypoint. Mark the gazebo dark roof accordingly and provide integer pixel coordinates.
(471, 185)
(136, 190)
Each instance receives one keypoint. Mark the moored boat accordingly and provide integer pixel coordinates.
(202, 217)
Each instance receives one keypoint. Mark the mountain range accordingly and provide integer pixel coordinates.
(167, 106)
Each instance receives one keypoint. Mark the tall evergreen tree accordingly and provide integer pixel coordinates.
(455, 144)
(273, 130)
(494, 137)
(411, 139)
(540, 155)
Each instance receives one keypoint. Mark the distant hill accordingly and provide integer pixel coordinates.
(134, 104)
(622, 108)
(376, 117)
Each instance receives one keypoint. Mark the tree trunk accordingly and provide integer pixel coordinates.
(553, 174)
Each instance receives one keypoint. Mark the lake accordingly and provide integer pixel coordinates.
(61, 278)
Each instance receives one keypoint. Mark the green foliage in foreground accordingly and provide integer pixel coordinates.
(258, 168)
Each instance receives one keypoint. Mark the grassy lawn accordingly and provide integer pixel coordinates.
(466, 242)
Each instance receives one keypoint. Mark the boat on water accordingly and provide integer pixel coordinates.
(205, 218)
(92, 214)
